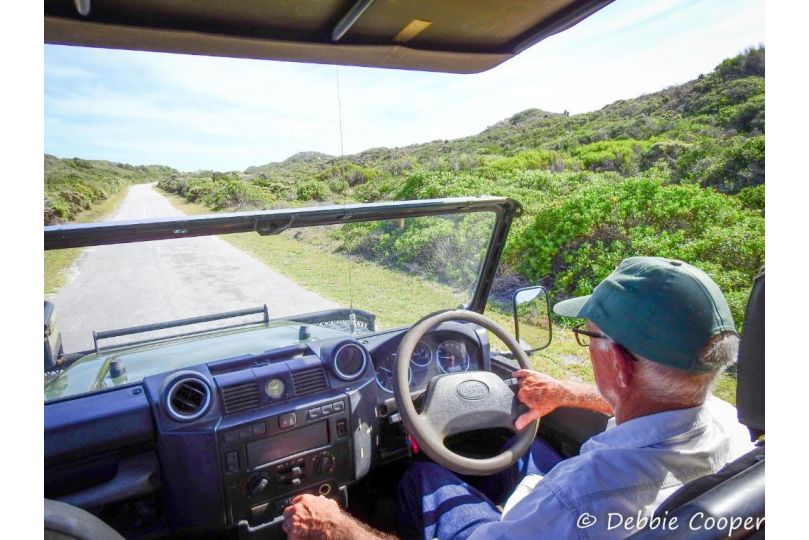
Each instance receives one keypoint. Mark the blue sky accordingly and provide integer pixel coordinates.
(228, 114)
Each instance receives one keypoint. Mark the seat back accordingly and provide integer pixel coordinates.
(732, 508)
(750, 368)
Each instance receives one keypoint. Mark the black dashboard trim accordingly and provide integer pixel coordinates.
(95, 423)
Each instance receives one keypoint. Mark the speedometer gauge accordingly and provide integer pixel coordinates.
(422, 355)
(452, 357)
(385, 373)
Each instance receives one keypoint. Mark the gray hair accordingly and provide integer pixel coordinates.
(670, 385)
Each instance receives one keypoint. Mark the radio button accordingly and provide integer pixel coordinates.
(286, 420)
(329, 462)
(342, 428)
(324, 463)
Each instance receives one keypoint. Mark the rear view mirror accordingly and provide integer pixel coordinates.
(532, 318)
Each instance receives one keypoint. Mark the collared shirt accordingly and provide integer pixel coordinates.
(622, 474)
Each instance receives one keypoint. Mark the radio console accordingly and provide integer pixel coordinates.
(267, 462)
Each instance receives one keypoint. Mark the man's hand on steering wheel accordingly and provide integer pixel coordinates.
(543, 394)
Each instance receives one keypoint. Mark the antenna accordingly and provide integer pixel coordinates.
(352, 318)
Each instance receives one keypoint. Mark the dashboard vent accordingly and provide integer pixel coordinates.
(188, 398)
(240, 397)
(349, 361)
(309, 381)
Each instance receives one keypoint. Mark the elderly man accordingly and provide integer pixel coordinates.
(659, 332)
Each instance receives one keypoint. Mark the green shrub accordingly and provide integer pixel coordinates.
(280, 190)
(232, 193)
(752, 198)
(667, 151)
(338, 185)
(740, 164)
(621, 156)
(529, 160)
(577, 241)
(379, 190)
(750, 63)
(349, 172)
(312, 190)
(744, 117)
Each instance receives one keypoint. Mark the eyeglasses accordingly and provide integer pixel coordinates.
(583, 338)
(583, 335)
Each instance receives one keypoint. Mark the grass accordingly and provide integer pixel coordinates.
(401, 299)
(57, 262)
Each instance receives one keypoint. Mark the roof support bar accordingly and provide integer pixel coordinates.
(350, 18)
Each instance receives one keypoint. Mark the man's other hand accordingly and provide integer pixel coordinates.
(310, 517)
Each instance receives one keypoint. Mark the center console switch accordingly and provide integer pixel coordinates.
(267, 462)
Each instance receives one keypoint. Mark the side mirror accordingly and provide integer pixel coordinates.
(53, 339)
(532, 318)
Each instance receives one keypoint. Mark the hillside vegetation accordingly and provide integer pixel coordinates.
(75, 185)
(676, 173)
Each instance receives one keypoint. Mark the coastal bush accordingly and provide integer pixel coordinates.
(312, 190)
(577, 241)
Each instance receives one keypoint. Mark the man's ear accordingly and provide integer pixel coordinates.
(623, 365)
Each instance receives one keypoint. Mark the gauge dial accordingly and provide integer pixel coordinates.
(422, 355)
(385, 373)
(275, 388)
(452, 356)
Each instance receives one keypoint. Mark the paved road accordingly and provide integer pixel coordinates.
(126, 285)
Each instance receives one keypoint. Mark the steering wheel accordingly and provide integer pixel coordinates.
(459, 402)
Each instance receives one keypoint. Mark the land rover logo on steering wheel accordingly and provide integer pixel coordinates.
(473, 390)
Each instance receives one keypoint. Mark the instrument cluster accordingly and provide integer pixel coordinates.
(433, 355)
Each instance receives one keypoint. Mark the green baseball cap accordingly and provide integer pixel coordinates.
(664, 310)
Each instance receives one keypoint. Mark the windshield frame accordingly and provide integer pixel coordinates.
(268, 222)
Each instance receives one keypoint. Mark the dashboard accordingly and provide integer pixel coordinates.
(228, 443)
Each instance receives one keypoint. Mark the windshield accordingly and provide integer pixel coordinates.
(149, 307)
